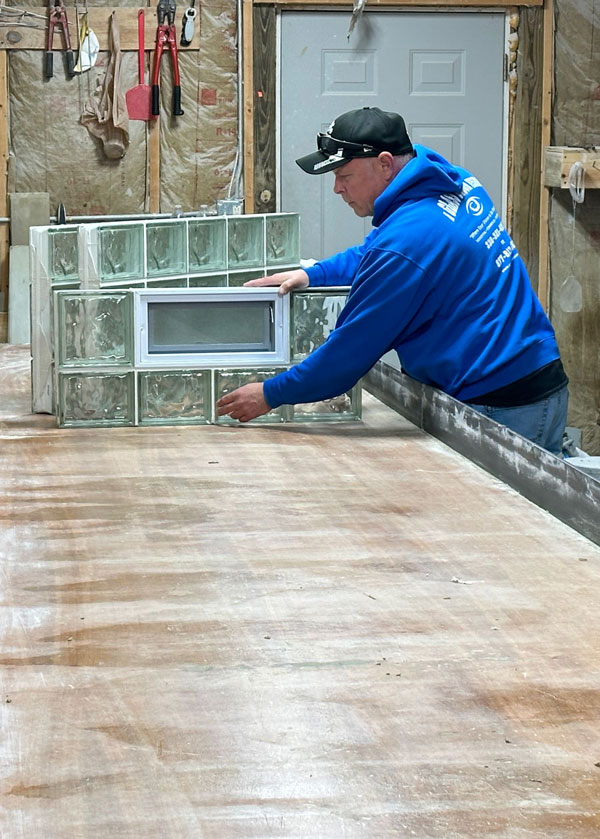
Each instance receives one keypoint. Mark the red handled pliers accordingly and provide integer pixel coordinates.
(58, 17)
(166, 34)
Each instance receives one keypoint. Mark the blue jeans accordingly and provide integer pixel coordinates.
(541, 422)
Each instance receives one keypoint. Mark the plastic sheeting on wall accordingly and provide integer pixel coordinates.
(198, 149)
(575, 232)
(575, 305)
(51, 151)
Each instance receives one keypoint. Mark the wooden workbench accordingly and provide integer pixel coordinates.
(324, 632)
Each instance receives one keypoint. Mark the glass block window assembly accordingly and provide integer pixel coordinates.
(147, 323)
(141, 357)
(191, 252)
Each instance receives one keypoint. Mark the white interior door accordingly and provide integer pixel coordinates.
(444, 72)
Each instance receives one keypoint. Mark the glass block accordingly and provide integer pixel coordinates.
(207, 238)
(228, 380)
(168, 397)
(95, 399)
(283, 239)
(245, 242)
(63, 255)
(348, 406)
(124, 284)
(165, 248)
(94, 329)
(121, 252)
(208, 281)
(314, 315)
(175, 282)
(68, 285)
(238, 278)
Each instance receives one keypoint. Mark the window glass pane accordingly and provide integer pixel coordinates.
(246, 242)
(228, 380)
(211, 326)
(94, 329)
(208, 281)
(64, 254)
(207, 244)
(121, 252)
(313, 317)
(95, 399)
(283, 239)
(175, 282)
(171, 396)
(166, 248)
(238, 278)
(347, 406)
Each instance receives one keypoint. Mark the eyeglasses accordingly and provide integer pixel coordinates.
(344, 148)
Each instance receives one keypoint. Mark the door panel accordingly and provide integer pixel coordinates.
(442, 71)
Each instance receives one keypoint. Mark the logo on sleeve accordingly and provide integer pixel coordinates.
(474, 206)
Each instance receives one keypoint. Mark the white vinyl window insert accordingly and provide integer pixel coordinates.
(211, 327)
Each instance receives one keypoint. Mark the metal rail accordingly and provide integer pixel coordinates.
(553, 484)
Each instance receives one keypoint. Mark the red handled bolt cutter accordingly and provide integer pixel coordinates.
(58, 17)
(166, 34)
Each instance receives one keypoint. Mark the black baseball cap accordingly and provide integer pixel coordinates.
(365, 132)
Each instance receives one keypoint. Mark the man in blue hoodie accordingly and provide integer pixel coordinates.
(438, 279)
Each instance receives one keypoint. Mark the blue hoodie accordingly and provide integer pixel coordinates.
(440, 281)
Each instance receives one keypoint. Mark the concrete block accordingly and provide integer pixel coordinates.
(27, 209)
(19, 330)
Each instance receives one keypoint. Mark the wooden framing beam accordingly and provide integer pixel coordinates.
(153, 146)
(24, 38)
(248, 102)
(547, 89)
(398, 4)
(560, 159)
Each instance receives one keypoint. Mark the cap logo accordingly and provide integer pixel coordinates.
(331, 159)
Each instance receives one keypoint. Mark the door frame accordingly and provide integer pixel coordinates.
(503, 207)
(529, 109)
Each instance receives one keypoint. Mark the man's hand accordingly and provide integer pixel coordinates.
(286, 280)
(245, 403)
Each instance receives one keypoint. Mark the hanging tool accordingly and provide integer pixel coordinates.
(187, 31)
(165, 34)
(139, 98)
(58, 17)
(88, 47)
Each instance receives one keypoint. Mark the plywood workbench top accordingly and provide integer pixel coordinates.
(324, 632)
